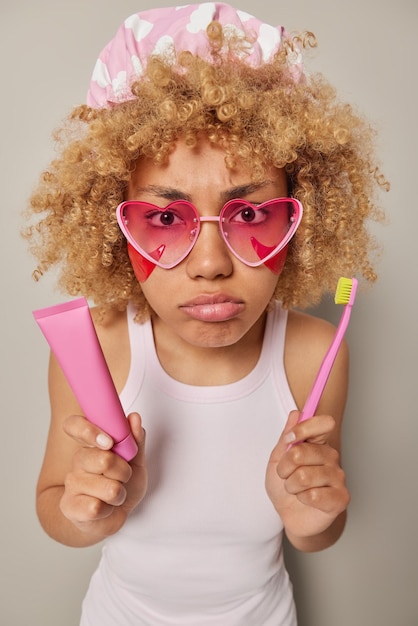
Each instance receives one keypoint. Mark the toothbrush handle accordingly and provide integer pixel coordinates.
(326, 366)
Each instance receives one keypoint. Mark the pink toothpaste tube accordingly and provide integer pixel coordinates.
(70, 332)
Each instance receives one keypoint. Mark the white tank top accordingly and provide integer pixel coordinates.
(204, 547)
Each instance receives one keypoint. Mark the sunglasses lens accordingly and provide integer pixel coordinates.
(253, 232)
(166, 235)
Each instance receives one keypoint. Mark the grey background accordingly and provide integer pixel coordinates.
(366, 48)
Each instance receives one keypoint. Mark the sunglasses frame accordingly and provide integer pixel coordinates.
(296, 218)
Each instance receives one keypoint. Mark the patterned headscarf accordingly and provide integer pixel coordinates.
(165, 30)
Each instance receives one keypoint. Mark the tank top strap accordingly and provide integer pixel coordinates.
(275, 333)
(137, 341)
(276, 344)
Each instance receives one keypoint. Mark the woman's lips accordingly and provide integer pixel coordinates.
(219, 308)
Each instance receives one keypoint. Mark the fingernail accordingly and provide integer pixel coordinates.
(104, 441)
(290, 437)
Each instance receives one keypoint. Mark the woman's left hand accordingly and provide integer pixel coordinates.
(306, 483)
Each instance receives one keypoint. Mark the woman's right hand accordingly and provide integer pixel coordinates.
(101, 489)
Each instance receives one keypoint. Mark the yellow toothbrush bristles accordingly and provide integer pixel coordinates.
(343, 291)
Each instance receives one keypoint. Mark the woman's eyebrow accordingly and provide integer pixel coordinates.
(240, 191)
(171, 193)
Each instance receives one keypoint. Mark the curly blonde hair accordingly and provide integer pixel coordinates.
(261, 117)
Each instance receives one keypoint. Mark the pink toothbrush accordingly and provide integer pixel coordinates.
(344, 294)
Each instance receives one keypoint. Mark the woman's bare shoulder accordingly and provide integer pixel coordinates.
(301, 326)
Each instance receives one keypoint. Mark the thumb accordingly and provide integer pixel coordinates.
(138, 432)
(286, 438)
(138, 483)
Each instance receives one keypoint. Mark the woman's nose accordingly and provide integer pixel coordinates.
(210, 258)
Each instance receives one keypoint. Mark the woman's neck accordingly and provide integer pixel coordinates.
(207, 366)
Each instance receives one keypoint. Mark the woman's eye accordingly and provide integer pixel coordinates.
(249, 215)
(164, 219)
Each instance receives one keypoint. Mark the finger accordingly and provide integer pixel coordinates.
(103, 463)
(327, 499)
(83, 508)
(313, 476)
(315, 430)
(85, 433)
(305, 455)
(97, 487)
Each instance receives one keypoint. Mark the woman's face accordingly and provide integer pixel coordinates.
(211, 299)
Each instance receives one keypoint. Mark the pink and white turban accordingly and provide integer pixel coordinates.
(159, 31)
